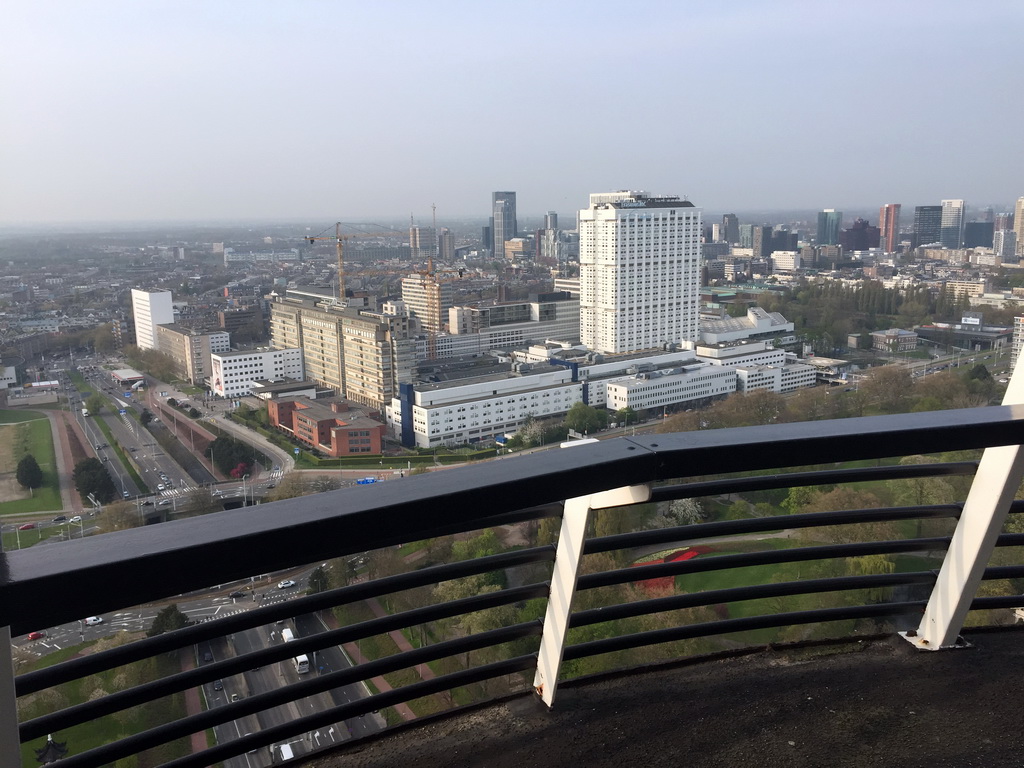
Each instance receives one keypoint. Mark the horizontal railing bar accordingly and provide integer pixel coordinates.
(140, 694)
(161, 734)
(347, 711)
(811, 478)
(766, 557)
(728, 626)
(1010, 540)
(72, 579)
(1003, 601)
(1003, 572)
(698, 531)
(755, 592)
(171, 641)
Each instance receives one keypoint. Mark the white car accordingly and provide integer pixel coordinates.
(285, 584)
(93, 621)
(76, 519)
(160, 487)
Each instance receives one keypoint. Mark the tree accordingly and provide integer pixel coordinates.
(626, 416)
(583, 418)
(889, 387)
(146, 416)
(119, 517)
(28, 474)
(318, 581)
(167, 620)
(94, 403)
(90, 476)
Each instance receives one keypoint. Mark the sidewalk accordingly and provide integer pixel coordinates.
(193, 706)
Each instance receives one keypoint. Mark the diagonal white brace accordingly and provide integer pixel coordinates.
(992, 491)
(568, 554)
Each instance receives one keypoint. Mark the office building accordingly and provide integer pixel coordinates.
(830, 223)
(639, 271)
(860, 236)
(192, 350)
(1003, 221)
(422, 243)
(927, 224)
(446, 245)
(1018, 224)
(233, 373)
(504, 226)
(334, 428)
(360, 354)
(150, 309)
(951, 233)
(1004, 245)
(889, 226)
(745, 235)
(551, 220)
(978, 234)
(731, 228)
(428, 299)
(761, 241)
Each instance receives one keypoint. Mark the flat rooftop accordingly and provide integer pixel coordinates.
(870, 702)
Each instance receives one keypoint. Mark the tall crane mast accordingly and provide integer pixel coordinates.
(341, 264)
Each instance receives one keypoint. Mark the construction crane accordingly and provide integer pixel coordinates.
(339, 240)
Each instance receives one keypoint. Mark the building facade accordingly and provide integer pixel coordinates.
(927, 224)
(1018, 224)
(889, 225)
(428, 300)
(639, 271)
(951, 233)
(504, 226)
(233, 373)
(333, 429)
(830, 223)
(150, 309)
(192, 350)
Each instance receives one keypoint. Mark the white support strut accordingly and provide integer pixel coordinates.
(568, 554)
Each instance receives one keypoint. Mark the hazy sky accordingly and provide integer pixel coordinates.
(323, 110)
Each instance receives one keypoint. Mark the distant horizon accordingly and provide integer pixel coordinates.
(400, 224)
(157, 114)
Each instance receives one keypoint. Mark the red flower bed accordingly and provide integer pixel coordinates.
(664, 584)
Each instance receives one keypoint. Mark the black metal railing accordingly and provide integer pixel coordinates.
(111, 572)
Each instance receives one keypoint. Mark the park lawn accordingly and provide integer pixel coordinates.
(30, 436)
(107, 729)
(28, 538)
(18, 417)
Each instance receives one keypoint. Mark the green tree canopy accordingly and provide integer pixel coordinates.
(168, 620)
(29, 475)
(90, 476)
(583, 418)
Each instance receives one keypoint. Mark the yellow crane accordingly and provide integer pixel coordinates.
(339, 240)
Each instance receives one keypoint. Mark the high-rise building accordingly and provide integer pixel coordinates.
(745, 235)
(860, 236)
(978, 234)
(505, 226)
(1003, 221)
(551, 220)
(951, 234)
(1018, 224)
(830, 223)
(761, 241)
(446, 245)
(150, 309)
(1004, 245)
(428, 300)
(927, 224)
(422, 242)
(889, 225)
(639, 271)
(731, 228)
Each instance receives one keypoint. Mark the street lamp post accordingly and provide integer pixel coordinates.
(244, 495)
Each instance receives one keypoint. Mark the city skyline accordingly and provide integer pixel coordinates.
(200, 112)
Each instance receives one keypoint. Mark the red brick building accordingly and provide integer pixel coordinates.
(333, 428)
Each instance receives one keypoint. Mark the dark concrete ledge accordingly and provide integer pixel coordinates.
(876, 702)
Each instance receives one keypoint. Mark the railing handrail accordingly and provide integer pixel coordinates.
(73, 579)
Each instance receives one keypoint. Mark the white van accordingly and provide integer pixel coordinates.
(284, 752)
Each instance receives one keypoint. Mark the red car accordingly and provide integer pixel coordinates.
(36, 635)
(26, 527)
